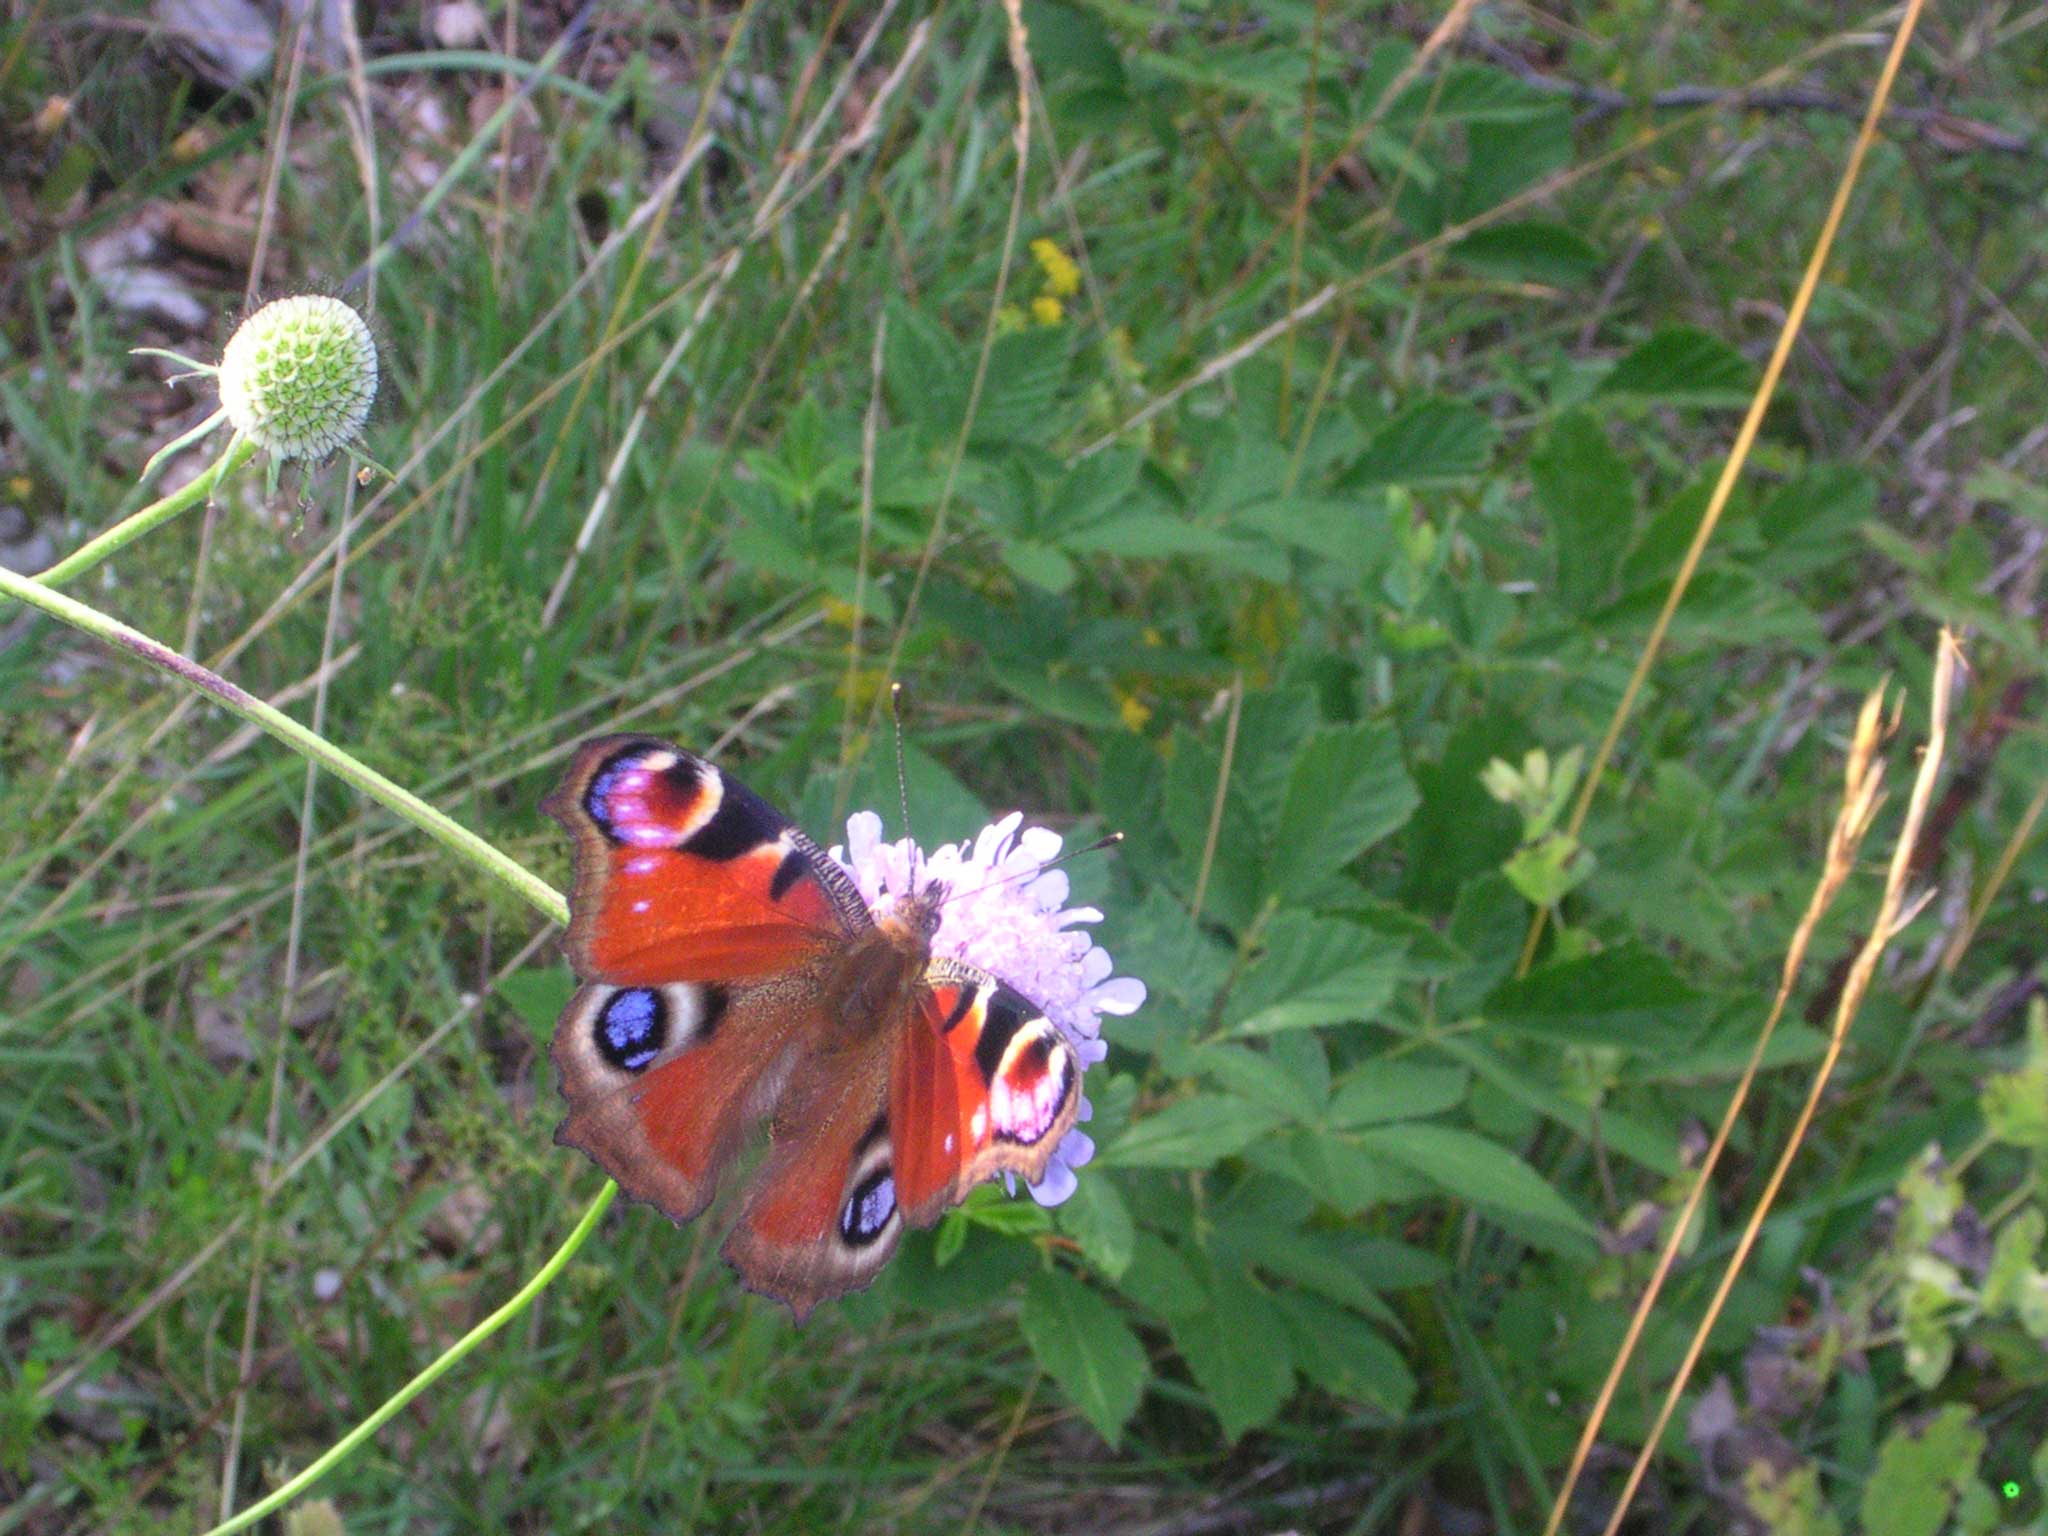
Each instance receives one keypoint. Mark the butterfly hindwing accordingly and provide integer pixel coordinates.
(984, 1083)
(684, 874)
(820, 1216)
(971, 1082)
(663, 1082)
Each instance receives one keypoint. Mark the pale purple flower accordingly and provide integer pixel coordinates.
(1005, 914)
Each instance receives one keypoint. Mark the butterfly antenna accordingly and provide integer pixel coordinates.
(902, 783)
(1097, 846)
(902, 780)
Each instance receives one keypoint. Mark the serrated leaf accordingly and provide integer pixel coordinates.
(1084, 1344)
(1431, 441)
(1095, 1216)
(1384, 1090)
(1917, 1476)
(1337, 1171)
(924, 371)
(1475, 1169)
(1319, 1260)
(1683, 365)
(1228, 1346)
(1183, 968)
(1584, 489)
(1346, 1356)
(1260, 1077)
(1313, 971)
(1348, 790)
(1193, 1133)
(1158, 1277)
(1627, 997)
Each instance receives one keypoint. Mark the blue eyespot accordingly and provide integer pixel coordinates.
(632, 1026)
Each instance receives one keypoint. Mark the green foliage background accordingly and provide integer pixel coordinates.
(1370, 1208)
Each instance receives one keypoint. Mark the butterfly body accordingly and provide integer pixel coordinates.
(732, 975)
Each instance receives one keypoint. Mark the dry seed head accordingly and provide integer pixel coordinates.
(299, 375)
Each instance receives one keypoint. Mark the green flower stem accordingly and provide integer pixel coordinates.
(31, 590)
(238, 453)
(335, 1454)
(549, 901)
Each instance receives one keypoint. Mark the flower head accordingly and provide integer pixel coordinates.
(299, 376)
(297, 379)
(1007, 915)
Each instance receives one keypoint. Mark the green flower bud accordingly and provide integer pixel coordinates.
(298, 377)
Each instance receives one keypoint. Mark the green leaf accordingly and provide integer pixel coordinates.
(1314, 971)
(1338, 1172)
(1320, 1260)
(1261, 1077)
(1536, 251)
(1183, 969)
(1018, 397)
(1431, 441)
(1683, 365)
(2013, 1260)
(1346, 1356)
(924, 372)
(538, 995)
(1040, 564)
(1158, 1277)
(1476, 1169)
(1084, 1344)
(1228, 1346)
(1654, 1147)
(1349, 789)
(1583, 486)
(2015, 1106)
(1095, 1216)
(1384, 1090)
(1147, 536)
(1917, 1477)
(1627, 997)
(1789, 1502)
(1193, 1133)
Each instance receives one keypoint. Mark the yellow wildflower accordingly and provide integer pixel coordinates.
(1062, 275)
(1047, 310)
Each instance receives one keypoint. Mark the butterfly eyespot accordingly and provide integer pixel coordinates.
(631, 1029)
(869, 1208)
(650, 796)
(1031, 1088)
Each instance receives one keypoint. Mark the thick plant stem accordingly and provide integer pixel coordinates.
(194, 491)
(544, 897)
(339, 1452)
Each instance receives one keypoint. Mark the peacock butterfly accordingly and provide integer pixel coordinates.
(731, 974)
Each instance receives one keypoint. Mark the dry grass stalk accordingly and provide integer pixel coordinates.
(1862, 794)
(1948, 656)
(1738, 456)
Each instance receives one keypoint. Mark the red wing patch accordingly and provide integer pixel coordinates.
(983, 1084)
(663, 1082)
(684, 874)
(821, 1216)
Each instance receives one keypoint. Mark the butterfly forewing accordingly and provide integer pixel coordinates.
(684, 874)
